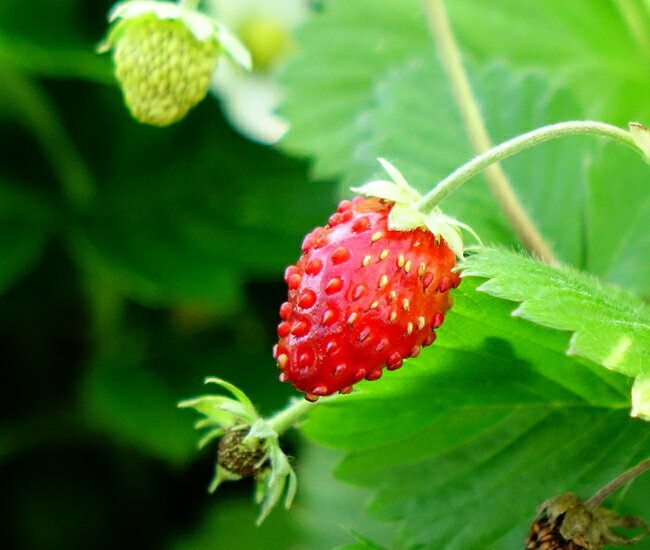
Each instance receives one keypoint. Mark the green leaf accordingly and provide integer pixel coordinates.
(25, 225)
(331, 511)
(230, 523)
(40, 60)
(127, 398)
(414, 122)
(617, 218)
(341, 54)
(463, 443)
(586, 43)
(610, 326)
(405, 111)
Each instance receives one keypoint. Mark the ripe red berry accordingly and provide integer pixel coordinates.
(361, 297)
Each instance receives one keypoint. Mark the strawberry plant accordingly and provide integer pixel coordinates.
(447, 202)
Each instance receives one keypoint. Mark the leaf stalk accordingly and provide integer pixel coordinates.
(597, 499)
(450, 57)
(292, 414)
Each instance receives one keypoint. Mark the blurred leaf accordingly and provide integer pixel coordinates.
(331, 511)
(618, 219)
(229, 523)
(30, 106)
(127, 398)
(25, 225)
(409, 116)
(464, 442)
(414, 123)
(191, 218)
(37, 59)
(54, 23)
(585, 42)
(341, 54)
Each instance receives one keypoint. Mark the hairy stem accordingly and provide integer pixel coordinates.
(475, 127)
(596, 500)
(518, 144)
(292, 414)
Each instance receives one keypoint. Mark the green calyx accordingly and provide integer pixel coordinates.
(165, 56)
(202, 27)
(249, 446)
(405, 214)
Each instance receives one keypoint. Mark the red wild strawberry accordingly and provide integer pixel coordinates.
(361, 297)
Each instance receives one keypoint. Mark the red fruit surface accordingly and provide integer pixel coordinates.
(361, 298)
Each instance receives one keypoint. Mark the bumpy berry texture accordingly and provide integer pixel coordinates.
(361, 298)
(164, 70)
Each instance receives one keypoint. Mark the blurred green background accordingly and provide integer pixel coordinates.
(135, 262)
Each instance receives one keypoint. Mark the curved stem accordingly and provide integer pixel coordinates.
(596, 500)
(518, 144)
(475, 127)
(292, 414)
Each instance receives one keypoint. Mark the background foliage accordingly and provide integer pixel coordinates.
(136, 261)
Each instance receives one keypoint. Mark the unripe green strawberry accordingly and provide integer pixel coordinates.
(164, 57)
(163, 69)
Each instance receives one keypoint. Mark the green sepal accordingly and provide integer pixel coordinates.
(222, 413)
(405, 214)
(641, 136)
(202, 27)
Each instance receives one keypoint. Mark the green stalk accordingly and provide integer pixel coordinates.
(518, 144)
(627, 476)
(497, 180)
(288, 417)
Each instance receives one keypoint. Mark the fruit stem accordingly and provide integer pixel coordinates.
(596, 500)
(518, 144)
(497, 180)
(294, 412)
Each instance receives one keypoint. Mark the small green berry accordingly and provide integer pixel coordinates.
(165, 55)
(164, 70)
